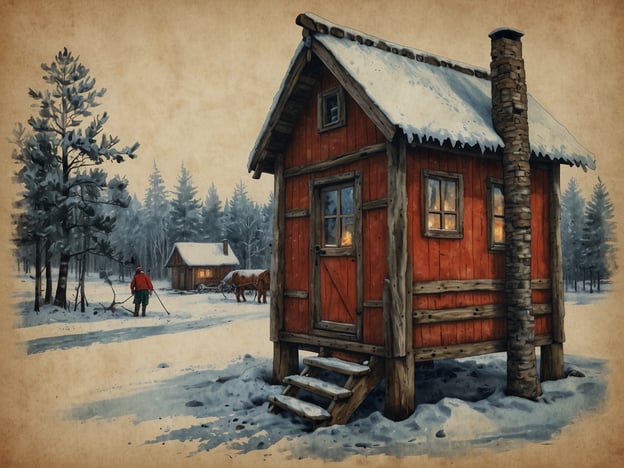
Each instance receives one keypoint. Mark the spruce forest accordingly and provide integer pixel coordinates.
(71, 218)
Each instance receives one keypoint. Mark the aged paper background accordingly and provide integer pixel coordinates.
(144, 52)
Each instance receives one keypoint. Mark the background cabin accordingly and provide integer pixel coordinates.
(195, 263)
(392, 210)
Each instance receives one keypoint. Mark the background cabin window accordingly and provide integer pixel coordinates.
(205, 273)
(331, 109)
(338, 214)
(443, 202)
(496, 214)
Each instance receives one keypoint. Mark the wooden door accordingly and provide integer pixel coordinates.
(337, 269)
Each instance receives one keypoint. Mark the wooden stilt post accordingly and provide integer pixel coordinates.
(397, 303)
(285, 355)
(551, 357)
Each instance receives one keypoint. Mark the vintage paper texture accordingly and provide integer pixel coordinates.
(238, 51)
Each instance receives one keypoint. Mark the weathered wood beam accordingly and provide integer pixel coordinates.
(556, 265)
(315, 342)
(291, 83)
(470, 349)
(336, 161)
(291, 214)
(295, 294)
(445, 286)
(460, 314)
(552, 365)
(375, 204)
(277, 277)
(395, 300)
(285, 361)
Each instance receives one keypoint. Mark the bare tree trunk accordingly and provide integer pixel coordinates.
(60, 298)
(48, 273)
(37, 275)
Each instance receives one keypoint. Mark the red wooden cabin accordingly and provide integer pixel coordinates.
(389, 232)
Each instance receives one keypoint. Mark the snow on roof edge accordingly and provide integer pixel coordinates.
(549, 139)
(203, 254)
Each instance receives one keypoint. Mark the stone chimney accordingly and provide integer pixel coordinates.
(226, 249)
(510, 119)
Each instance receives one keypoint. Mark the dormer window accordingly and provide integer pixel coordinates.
(331, 109)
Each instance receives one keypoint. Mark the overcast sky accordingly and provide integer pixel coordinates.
(192, 81)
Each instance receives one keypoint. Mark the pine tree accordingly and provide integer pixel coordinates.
(599, 239)
(572, 222)
(155, 226)
(212, 229)
(243, 226)
(63, 107)
(184, 218)
(39, 177)
(127, 238)
(266, 238)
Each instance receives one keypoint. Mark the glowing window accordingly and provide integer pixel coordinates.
(443, 204)
(337, 209)
(496, 214)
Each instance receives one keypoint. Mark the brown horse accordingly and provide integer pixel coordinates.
(248, 280)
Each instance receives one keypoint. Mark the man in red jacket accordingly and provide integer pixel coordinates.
(141, 286)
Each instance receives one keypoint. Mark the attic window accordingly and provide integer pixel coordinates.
(331, 109)
(496, 214)
(443, 204)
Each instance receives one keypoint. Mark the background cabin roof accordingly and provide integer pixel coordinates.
(429, 98)
(203, 254)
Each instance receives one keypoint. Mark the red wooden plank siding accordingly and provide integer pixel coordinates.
(307, 146)
(373, 327)
(467, 258)
(540, 245)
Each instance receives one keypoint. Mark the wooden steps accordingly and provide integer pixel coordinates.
(341, 400)
(300, 408)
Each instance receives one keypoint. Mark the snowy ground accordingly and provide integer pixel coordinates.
(191, 388)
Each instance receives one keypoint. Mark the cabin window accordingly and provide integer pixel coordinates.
(337, 209)
(496, 214)
(443, 204)
(331, 109)
(203, 273)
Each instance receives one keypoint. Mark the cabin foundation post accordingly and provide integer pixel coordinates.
(285, 355)
(397, 294)
(552, 365)
(285, 361)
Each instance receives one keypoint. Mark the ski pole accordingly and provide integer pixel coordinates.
(161, 302)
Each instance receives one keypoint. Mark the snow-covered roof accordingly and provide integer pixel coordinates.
(429, 98)
(198, 254)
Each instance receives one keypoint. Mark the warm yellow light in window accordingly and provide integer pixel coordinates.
(347, 238)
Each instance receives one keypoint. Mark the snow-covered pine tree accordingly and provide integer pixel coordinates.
(155, 223)
(94, 219)
(599, 238)
(572, 222)
(212, 217)
(243, 226)
(127, 237)
(266, 243)
(184, 218)
(76, 145)
(39, 177)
